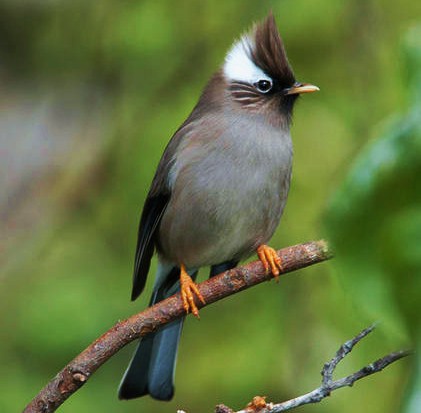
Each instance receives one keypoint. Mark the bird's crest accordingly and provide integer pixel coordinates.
(268, 52)
(258, 55)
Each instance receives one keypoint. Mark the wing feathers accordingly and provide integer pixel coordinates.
(151, 216)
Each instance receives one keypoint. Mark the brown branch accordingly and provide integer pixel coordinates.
(259, 405)
(80, 369)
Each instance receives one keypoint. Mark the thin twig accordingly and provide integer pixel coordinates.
(80, 369)
(259, 405)
(343, 350)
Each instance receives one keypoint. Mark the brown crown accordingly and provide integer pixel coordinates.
(269, 54)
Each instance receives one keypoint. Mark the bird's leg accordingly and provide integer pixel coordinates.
(188, 290)
(270, 260)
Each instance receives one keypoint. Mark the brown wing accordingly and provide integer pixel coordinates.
(151, 216)
(153, 210)
(160, 192)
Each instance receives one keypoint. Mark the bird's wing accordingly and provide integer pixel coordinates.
(158, 197)
(156, 202)
(151, 216)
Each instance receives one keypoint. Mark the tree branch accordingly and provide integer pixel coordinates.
(259, 405)
(80, 369)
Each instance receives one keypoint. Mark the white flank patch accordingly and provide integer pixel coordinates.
(239, 66)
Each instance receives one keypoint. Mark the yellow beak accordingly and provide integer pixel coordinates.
(299, 88)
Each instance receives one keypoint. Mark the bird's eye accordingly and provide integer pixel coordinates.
(263, 85)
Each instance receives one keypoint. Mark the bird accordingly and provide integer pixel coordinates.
(218, 192)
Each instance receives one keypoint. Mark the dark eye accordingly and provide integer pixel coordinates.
(263, 85)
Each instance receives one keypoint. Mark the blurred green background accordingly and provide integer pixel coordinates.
(90, 95)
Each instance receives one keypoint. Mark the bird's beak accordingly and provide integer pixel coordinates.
(299, 88)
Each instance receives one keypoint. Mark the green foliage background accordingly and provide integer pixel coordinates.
(127, 74)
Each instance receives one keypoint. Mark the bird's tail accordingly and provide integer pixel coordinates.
(151, 370)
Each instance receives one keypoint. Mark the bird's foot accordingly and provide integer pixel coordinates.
(188, 290)
(270, 260)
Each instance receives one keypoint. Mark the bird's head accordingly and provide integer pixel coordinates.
(257, 72)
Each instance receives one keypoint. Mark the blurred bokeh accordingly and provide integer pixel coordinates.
(91, 92)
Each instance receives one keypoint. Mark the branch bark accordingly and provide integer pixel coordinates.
(80, 369)
(259, 405)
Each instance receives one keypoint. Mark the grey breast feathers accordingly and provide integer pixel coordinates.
(229, 182)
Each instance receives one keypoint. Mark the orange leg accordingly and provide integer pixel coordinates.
(270, 260)
(188, 290)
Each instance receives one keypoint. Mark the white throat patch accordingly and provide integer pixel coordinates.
(238, 65)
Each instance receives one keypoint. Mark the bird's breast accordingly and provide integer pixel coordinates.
(228, 194)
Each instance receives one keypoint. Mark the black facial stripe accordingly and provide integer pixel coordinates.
(240, 86)
(244, 93)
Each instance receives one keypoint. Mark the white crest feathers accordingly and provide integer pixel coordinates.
(239, 66)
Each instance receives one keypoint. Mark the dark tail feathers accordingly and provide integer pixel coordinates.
(151, 370)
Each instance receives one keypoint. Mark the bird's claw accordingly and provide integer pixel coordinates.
(270, 260)
(188, 291)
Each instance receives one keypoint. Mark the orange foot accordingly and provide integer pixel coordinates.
(270, 260)
(188, 289)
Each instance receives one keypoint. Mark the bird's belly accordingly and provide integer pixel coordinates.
(224, 216)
